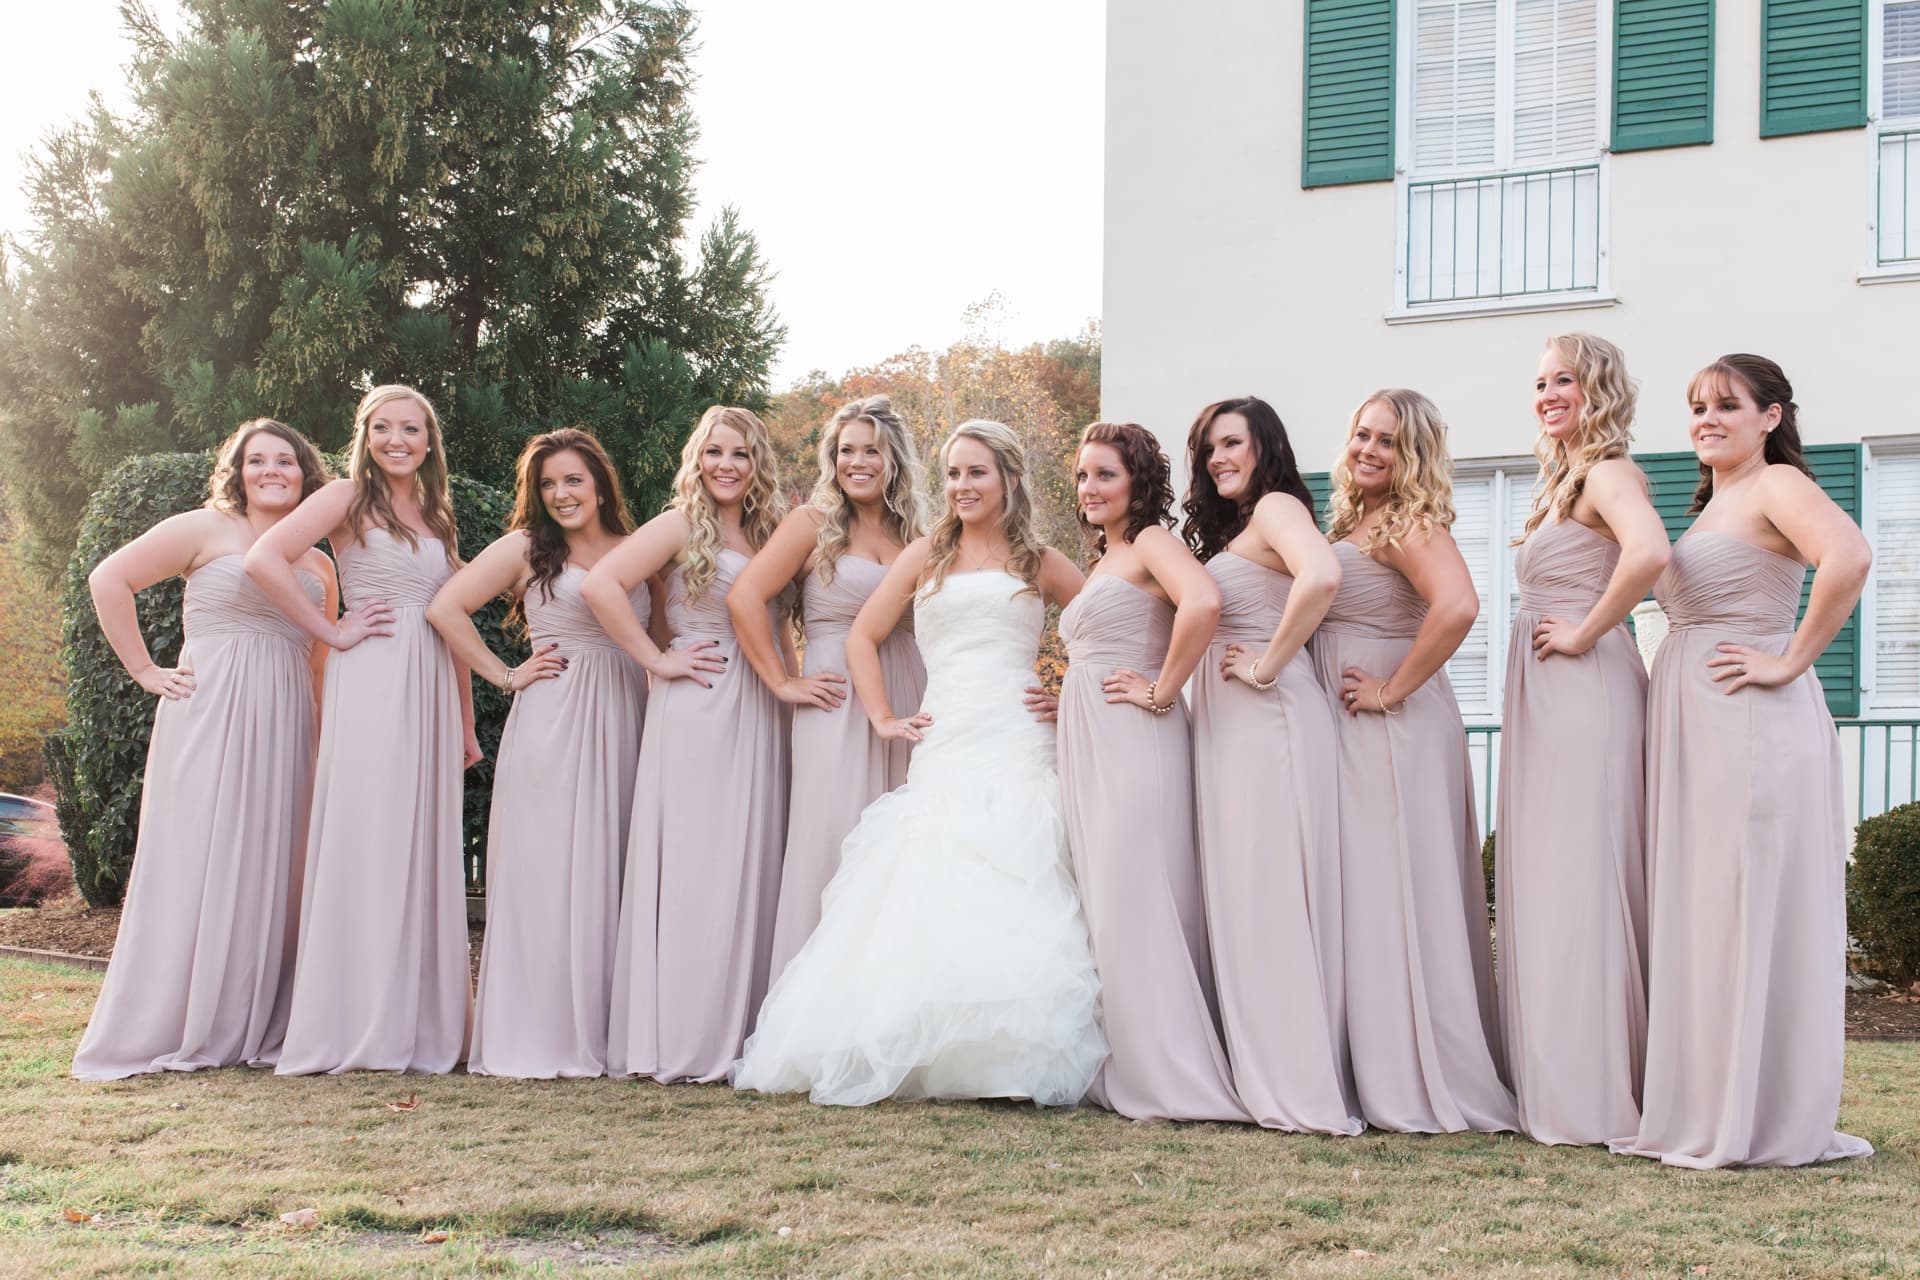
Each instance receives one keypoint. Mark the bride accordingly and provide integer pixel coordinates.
(951, 959)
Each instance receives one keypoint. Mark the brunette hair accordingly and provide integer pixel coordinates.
(760, 507)
(903, 483)
(546, 540)
(1024, 548)
(1213, 521)
(1767, 383)
(372, 501)
(1604, 429)
(1420, 486)
(227, 486)
(1149, 480)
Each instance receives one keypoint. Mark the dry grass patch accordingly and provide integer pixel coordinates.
(189, 1174)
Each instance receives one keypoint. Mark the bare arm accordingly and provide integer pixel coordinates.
(876, 621)
(1434, 566)
(322, 568)
(1618, 494)
(271, 559)
(765, 577)
(1830, 541)
(501, 568)
(1289, 530)
(1196, 612)
(644, 553)
(170, 549)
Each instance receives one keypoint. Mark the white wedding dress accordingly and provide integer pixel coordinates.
(951, 959)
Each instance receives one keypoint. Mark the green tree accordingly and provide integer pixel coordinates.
(485, 198)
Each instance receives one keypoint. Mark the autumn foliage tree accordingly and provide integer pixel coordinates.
(486, 198)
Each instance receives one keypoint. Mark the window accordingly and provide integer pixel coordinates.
(1893, 592)
(1491, 503)
(1896, 137)
(1503, 200)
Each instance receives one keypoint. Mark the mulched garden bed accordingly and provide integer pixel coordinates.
(72, 927)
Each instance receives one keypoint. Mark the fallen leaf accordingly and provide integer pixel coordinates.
(411, 1104)
(27, 1017)
(784, 1231)
(1053, 1164)
(77, 1215)
(301, 1218)
(1538, 1182)
(435, 1237)
(1137, 1178)
(349, 1138)
(1358, 1253)
(38, 995)
(1444, 1249)
(1699, 1268)
(1354, 1174)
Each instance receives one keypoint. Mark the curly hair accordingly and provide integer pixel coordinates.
(902, 482)
(1766, 382)
(1213, 521)
(227, 486)
(546, 540)
(1604, 429)
(372, 498)
(1149, 481)
(760, 508)
(1420, 486)
(1024, 548)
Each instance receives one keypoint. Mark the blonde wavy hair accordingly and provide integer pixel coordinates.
(1024, 546)
(1604, 429)
(372, 497)
(902, 481)
(1420, 486)
(760, 508)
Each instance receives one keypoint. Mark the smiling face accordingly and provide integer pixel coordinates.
(1371, 449)
(1727, 427)
(860, 464)
(976, 491)
(726, 465)
(1557, 397)
(1102, 484)
(270, 473)
(397, 436)
(567, 490)
(1231, 456)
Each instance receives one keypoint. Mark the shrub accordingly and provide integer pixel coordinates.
(1883, 893)
(98, 761)
(1486, 866)
(482, 512)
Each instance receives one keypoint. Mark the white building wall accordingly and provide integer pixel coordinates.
(1224, 277)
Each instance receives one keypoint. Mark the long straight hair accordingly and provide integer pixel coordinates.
(372, 497)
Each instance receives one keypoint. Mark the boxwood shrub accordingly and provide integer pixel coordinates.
(97, 763)
(1883, 894)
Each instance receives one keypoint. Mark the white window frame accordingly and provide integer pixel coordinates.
(1602, 295)
(1872, 705)
(1497, 603)
(1871, 272)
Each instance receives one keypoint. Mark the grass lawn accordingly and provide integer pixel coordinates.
(189, 1174)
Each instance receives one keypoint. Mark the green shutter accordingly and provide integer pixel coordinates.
(1673, 477)
(1662, 73)
(1346, 132)
(1320, 485)
(1813, 66)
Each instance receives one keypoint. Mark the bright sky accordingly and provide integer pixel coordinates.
(898, 161)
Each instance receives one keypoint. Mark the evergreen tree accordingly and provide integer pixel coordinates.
(485, 198)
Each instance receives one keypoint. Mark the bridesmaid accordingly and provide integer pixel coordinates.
(1420, 1012)
(1570, 838)
(710, 790)
(381, 983)
(1265, 774)
(203, 965)
(869, 502)
(1126, 783)
(1746, 824)
(562, 788)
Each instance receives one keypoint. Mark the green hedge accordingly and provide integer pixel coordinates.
(1883, 894)
(98, 761)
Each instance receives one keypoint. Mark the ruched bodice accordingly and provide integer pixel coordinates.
(561, 616)
(707, 617)
(830, 607)
(1116, 626)
(1717, 580)
(1373, 600)
(379, 566)
(222, 600)
(1252, 598)
(1564, 568)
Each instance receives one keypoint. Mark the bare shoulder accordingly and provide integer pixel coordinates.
(805, 516)
(1280, 506)
(671, 521)
(1154, 538)
(1053, 560)
(1784, 479)
(1617, 475)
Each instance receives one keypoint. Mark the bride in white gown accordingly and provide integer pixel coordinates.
(951, 959)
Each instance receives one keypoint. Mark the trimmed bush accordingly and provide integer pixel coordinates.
(1486, 866)
(98, 762)
(1883, 894)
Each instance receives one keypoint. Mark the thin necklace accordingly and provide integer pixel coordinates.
(979, 565)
